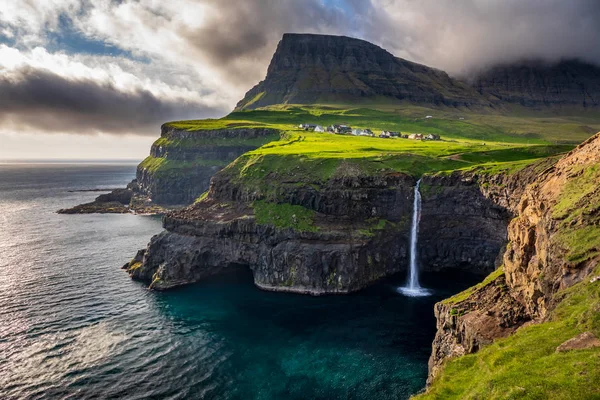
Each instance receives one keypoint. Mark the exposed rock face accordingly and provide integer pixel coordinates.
(586, 340)
(115, 202)
(537, 84)
(322, 69)
(563, 201)
(464, 326)
(361, 231)
(342, 254)
(536, 262)
(197, 156)
(308, 69)
(188, 160)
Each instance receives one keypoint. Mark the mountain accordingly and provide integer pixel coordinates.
(537, 83)
(323, 69)
(309, 68)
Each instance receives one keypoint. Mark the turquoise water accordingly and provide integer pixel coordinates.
(73, 325)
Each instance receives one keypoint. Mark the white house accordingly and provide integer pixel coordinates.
(357, 132)
(319, 128)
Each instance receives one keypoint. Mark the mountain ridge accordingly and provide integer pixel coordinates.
(326, 69)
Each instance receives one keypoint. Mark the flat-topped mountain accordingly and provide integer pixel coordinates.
(323, 69)
(309, 68)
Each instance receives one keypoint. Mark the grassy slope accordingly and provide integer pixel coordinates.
(492, 141)
(526, 365)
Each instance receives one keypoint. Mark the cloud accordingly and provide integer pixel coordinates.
(42, 100)
(196, 58)
(462, 36)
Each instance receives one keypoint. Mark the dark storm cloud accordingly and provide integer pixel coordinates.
(458, 36)
(240, 36)
(42, 100)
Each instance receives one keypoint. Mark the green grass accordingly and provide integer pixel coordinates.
(493, 142)
(526, 365)
(284, 216)
(525, 128)
(577, 209)
(165, 166)
(457, 298)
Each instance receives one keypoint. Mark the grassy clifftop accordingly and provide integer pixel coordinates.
(526, 365)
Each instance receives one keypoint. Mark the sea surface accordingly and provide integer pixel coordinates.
(73, 325)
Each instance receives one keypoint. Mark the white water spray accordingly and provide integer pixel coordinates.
(413, 289)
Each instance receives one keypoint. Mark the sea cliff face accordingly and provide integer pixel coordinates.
(333, 236)
(334, 240)
(182, 162)
(553, 244)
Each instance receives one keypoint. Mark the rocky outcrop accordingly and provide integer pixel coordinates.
(191, 158)
(309, 69)
(565, 200)
(554, 242)
(114, 202)
(357, 232)
(352, 241)
(178, 170)
(324, 69)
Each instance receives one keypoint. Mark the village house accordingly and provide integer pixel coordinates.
(431, 136)
(416, 136)
(342, 129)
(308, 127)
(384, 134)
(319, 128)
(357, 132)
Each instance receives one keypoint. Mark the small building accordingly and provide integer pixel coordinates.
(367, 132)
(342, 129)
(428, 116)
(431, 136)
(395, 134)
(357, 132)
(384, 134)
(308, 127)
(319, 128)
(330, 129)
(416, 136)
(405, 136)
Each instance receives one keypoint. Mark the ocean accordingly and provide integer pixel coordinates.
(73, 325)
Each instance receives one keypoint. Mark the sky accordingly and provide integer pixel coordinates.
(95, 79)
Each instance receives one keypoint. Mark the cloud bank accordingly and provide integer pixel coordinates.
(124, 67)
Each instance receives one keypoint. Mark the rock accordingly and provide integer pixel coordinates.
(308, 69)
(464, 326)
(344, 253)
(583, 341)
(321, 69)
(535, 263)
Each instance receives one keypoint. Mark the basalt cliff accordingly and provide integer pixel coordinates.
(324, 69)
(554, 245)
(332, 235)
(178, 170)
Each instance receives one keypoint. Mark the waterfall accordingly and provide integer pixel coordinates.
(413, 288)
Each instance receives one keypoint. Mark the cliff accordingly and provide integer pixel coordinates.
(323, 69)
(299, 229)
(182, 161)
(554, 245)
(179, 168)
